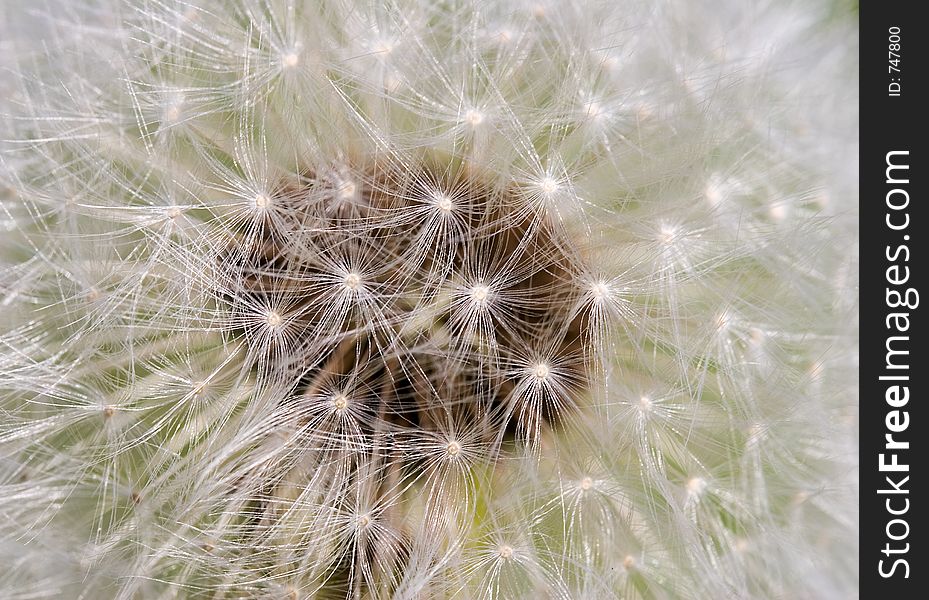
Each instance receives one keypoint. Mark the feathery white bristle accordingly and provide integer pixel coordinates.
(427, 300)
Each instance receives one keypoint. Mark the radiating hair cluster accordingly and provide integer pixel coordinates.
(405, 299)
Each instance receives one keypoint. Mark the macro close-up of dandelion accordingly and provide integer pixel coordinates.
(368, 299)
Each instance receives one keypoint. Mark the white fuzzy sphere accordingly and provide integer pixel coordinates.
(416, 299)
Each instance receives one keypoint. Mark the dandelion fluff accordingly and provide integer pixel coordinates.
(427, 300)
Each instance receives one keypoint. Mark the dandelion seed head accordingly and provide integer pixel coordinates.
(340, 287)
(417, 291)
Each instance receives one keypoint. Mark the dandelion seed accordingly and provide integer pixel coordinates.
(352, 281)
(480, 295)
(610, 63)
(549, 185)
(713, 194)
(383, 47)
(593, 111)
(505, 552)
(340, 403)
(443, 203)
(585, 484)
(541, 371)
(473, 117)
(667, 234)
(291, 58)
(644, 111)
(274, 319)
(347, 190)
(756, 434)
(453, 449)
(816, 369)
(696, 486)
(392, 82)
(600, 291)
(778, 211)
(172, 114)
(261, 202)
